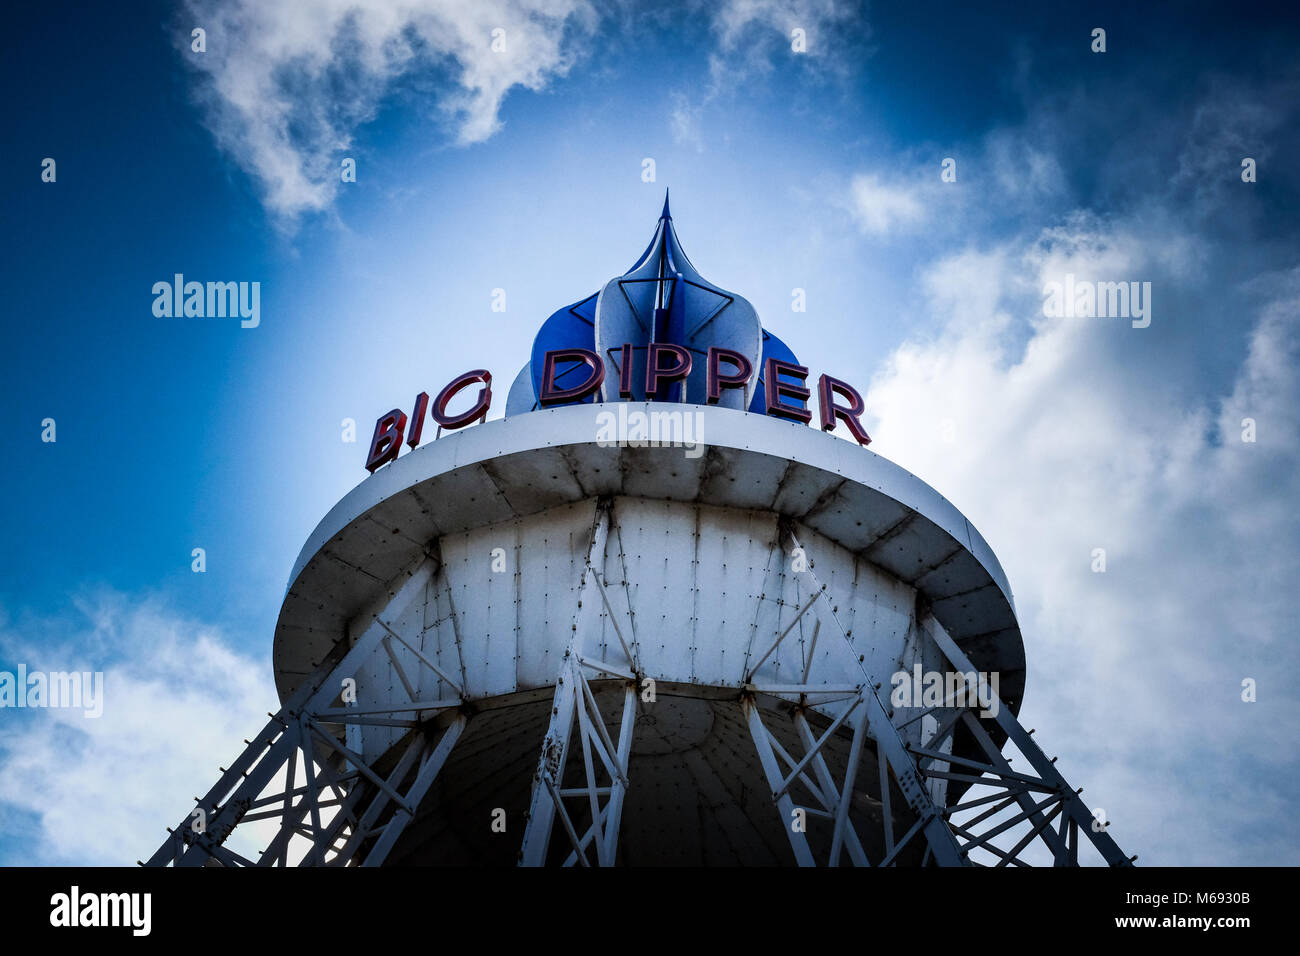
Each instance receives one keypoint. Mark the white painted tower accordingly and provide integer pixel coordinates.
(538, 641)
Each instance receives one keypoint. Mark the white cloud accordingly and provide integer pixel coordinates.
(879, 208)
(1021, 172)
(1232, 121)
(750, 31)
(754, 37)
(177, 703)
(684, 121)
(1066, 442)
(288, 82)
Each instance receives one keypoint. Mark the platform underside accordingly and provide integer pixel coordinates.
(696, 792)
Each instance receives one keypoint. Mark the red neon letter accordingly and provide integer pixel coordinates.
(551, 394)
(773, 369)
(480, 408)
(717, 382)
(625, 373)
(388, 439)
(654, 375)
(417, 419)
(830, 411)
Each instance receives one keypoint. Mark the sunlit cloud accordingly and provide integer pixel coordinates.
(287, 84)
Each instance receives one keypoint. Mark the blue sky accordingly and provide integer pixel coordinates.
(523, 171)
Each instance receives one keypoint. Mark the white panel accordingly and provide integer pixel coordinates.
(768, 573)
(439, 642)
(659, 540)
(734, 548)
(553, 550)
(785, 664)
(601, 642)
(483, 604)
(378, 682)
(708, 593)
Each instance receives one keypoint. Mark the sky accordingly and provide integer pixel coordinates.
(524, 170)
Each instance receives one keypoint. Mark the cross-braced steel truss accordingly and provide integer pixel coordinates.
(955, 818)
(574, 697)
(323, 803)
(327, 804)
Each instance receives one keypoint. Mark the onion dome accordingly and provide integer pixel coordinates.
(661, 299)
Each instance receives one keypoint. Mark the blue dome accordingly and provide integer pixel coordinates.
(661, 299)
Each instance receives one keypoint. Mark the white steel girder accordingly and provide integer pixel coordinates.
(320, 789)
(1061, 799)
(574, 700)
(263, 784)
(952, 831)
(871, 715)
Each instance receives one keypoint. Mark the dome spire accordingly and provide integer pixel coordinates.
(661, 300)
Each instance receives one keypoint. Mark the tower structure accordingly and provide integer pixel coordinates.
(649, 617)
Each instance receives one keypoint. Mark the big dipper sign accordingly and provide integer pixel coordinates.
(660, 332)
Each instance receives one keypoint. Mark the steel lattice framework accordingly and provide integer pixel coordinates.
(323, 804)
(414, 680)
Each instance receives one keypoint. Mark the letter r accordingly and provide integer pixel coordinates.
(827, 389)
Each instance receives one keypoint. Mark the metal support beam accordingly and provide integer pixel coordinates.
(433, 763)
(889, 745)
(1072, 806)
(574, 702)
(784, 804)
(332, 801)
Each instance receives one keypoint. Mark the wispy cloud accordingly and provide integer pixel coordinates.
(751, 38)
(684, 121)
(1055, 447)
(177, 702)
(879, 207)
(750, 34)
(287, 83)
(1061, 436)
